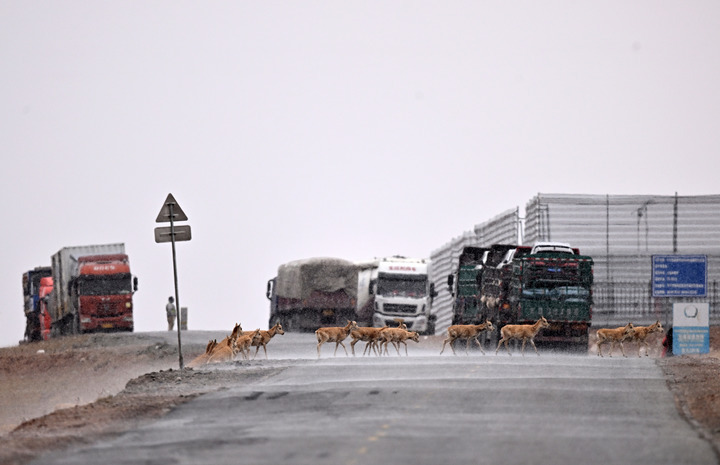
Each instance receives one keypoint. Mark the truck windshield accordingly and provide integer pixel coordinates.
(402, 285)
(105, 285)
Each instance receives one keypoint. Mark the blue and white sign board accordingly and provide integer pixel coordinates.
(691, 328)
(679, 275)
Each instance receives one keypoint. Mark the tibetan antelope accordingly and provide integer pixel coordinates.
(202, 359)
(641, 333)
(397, 336)
(244, 341)
(334, 334)
(469, 332)
(224, 352)
(368, 335)
(237, 331)
(620, 335)
(266, 336)
(524, 332)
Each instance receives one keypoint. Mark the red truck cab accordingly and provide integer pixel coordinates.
(46, 286)
(104, 290)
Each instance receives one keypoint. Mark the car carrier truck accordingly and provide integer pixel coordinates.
(92, 290)
(552, 280)
(312, 293)
(395, 288)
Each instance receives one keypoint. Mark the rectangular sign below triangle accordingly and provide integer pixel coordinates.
(177, 213)
(182, 233)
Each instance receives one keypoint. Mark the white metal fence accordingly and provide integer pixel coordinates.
(620, 232)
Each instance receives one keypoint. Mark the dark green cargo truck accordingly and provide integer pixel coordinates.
(558, 286)
(464, 286)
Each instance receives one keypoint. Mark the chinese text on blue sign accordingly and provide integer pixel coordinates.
(679, 275)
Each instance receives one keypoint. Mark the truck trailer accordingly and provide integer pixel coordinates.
(551, 280)
(312, 293)
(465, 284)
(92, 290)
(397, 287)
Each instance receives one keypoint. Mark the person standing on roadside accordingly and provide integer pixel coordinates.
(667, 343)
(170, 311)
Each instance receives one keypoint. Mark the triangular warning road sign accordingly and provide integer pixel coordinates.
(177, 213)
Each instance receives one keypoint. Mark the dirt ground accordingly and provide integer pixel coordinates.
(77, 390)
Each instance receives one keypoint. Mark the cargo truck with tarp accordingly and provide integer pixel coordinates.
(312, 293)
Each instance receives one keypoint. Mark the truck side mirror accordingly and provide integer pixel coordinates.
(450, 282)
(433, 292)
(135, 284)
(268, 292)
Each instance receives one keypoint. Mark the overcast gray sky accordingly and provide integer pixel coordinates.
(354, 129)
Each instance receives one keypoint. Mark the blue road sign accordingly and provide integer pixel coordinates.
(679, 275)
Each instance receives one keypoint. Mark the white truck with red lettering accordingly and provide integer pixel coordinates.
(395, 288)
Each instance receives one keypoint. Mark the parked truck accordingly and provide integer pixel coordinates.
(31, 286)
(46, 287)
(312, 293)
(92, 289)
(551, 280)
(395, 288)
(465, 285)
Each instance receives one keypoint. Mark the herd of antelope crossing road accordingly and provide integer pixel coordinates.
(421, 409)
(240, 343)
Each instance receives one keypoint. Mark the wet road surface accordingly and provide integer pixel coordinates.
(422, 409)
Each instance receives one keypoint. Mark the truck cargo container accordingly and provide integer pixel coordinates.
(465, 286)
(93, 289)
(312, 293)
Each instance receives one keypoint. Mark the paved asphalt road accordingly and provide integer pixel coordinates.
(422, 409)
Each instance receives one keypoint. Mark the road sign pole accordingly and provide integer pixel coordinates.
(177, 297)
(171, 212)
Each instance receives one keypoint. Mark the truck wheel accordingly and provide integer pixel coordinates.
(430, 331)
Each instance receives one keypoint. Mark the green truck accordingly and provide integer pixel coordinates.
(464, 286)
(553, 281)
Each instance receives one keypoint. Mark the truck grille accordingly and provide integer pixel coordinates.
(400, 309)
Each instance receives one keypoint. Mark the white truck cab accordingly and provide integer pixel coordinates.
(401, 289)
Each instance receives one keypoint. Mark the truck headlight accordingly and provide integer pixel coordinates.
(128, 304)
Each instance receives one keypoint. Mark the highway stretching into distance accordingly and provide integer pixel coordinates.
(422, 409)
